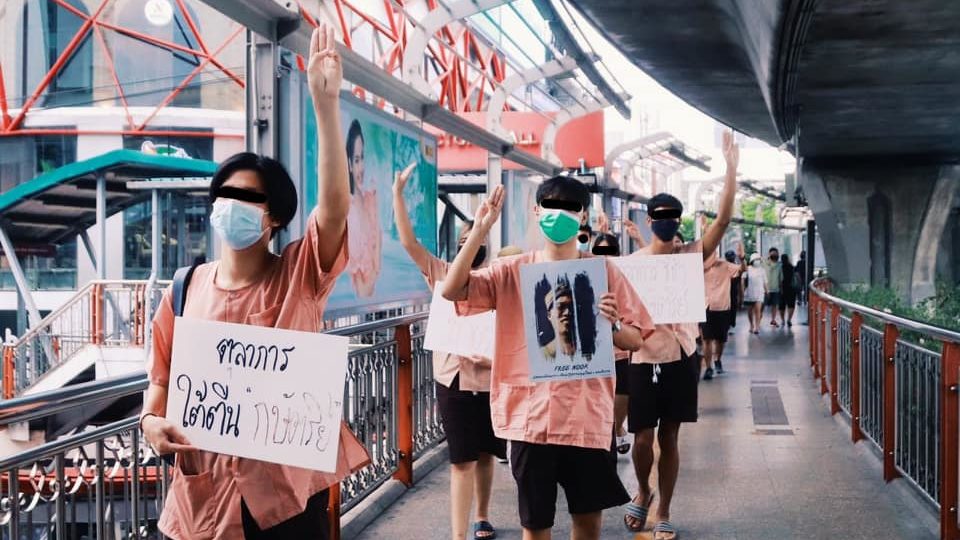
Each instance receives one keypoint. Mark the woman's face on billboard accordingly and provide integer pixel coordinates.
(356, 162)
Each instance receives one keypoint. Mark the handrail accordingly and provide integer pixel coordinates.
(43, 404)
(38, 453)
(940, 333)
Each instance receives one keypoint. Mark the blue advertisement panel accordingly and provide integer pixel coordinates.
(380, 274)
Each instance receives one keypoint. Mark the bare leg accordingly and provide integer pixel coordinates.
(709, 346)
(669, 467)
(620, 407)
(462, 479)
(719, 347)
(540, 534)
(483, 486)
(790, 311)
(773, 313)
(586, 526)
(642, 465)
(750, 317)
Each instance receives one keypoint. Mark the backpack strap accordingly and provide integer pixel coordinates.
(181, 281)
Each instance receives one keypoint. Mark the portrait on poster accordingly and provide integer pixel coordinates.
(567, 337)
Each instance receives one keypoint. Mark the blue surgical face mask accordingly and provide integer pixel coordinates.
(240, 225)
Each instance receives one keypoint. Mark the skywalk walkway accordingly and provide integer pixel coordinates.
(765, 461)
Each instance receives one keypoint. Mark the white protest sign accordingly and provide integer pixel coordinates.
(260, 393)
(671, 286)
(465, 336)
(567, 338)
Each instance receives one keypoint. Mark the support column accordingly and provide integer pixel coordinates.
(494, 179)
(20, 278)
(102, 224)
(924, 279)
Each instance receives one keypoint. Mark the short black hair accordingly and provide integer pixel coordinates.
(564, 188)
(277, 184)
(664, 200)
(773, 249)
(609, 239)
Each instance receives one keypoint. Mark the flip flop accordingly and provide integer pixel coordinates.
(483, 527)
(664, 531)
(638, 513)
(623, 445)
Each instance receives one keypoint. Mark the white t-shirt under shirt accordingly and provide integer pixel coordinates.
(756, 279)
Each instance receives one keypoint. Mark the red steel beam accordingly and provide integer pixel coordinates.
(4, 111)
(949, 441)
(58, 65)
(834, 376)
(856, 323)
(889, 404)
(186, 80)
(113, 72)
(193, 26)
(158, 133)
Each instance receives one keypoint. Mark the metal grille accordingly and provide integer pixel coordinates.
(871, 384)
(370, 411)
(917, 454)
(827, 345)
(104, 484)
(427, 427)
(843, 362)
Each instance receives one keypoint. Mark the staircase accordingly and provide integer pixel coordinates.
(101, 331)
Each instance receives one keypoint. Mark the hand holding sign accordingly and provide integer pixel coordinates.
(671, 286)
(254, 392)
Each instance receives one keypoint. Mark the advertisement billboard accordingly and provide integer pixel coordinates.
(380, 274)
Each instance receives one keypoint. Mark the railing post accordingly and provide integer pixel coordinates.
(333, 511)
(96, 314)
(834, 343)
(824, 334)
(815, 338)
(890, 335)
(855, 323)
(949, 454)
(9, 372)
(404, 405)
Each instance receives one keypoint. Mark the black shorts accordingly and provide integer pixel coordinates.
(716, 326)
(588, 477)
(672, 398)
(772, 299)
(313, 522)
(466, 421)
(788, 298)
(622, 388)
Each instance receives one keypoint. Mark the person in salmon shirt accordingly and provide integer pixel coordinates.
(560, 431)
(463, 394)
(665, 370)
(717, 276)
(217, 496)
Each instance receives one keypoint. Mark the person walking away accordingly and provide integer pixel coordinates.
(665, 370)
(774, 280)
(717, 276)
(788, 290)
(736, 285)
(801, 272)
(217, 496)
(754, 292)
(559, 431)
(463, 394)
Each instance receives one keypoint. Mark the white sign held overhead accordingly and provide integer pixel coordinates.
(671, 286)
(260, 393)
(465, 336)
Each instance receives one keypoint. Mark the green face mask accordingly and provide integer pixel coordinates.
(559, 226)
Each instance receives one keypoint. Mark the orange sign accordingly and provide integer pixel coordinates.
(581, 138)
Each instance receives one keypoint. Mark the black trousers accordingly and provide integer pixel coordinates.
(313, 523)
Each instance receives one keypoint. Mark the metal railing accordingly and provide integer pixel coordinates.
(106, 313)
(107, 483)
(899, 395)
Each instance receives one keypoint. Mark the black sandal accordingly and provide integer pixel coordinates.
(483, 527)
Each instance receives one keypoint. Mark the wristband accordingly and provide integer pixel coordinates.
(143, 416)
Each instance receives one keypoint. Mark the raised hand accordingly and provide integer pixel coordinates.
(731, 152)
(402, 177)
(631, 228)
(603, 223)
(489, 212)
(324, 70)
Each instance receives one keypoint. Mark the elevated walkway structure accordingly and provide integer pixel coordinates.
(765, 460)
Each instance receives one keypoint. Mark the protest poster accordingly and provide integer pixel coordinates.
(260, 393)
(671, 286)
(465, 336)
(567, 337)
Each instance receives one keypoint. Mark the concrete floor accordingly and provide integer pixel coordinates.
(735, 483)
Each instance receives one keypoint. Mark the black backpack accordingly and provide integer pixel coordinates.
(181, 281)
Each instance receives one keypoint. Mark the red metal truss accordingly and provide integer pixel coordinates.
(12, 126)
(461, 85)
